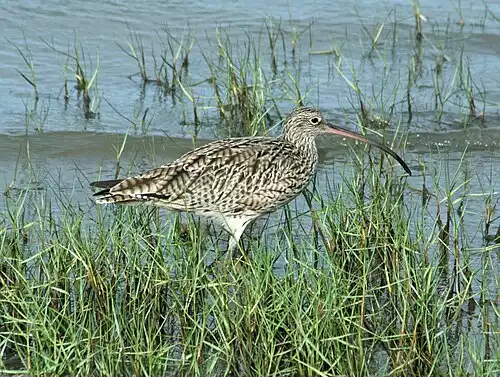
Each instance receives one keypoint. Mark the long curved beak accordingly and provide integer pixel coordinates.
(333, 129)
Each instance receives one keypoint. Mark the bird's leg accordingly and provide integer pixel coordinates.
(234, 240)
(235, 230)
(235, 226)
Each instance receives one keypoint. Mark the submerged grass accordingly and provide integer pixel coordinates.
(365, 285)
(29, 61)
(86, 76)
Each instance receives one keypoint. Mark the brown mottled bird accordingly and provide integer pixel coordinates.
(235, 180)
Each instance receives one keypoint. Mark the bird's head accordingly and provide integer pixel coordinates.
(307, 122)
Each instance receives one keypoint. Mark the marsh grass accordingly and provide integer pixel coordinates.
(29, 61)
(241, 88)
(458, 96)
(35, 116)
(374, 277)
(419, 17)
(244, 81)
(363, 284)
(140, 120)
(168, 68)
(86, 73)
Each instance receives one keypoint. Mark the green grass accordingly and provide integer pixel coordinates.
(363, 286)
(376, 277)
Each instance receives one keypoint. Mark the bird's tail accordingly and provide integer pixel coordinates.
(105, 184)
(127, 191)
(105, 196)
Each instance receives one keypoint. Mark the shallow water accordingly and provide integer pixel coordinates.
(55, 139)
(49, 143)
(50, 146)
(101, 25)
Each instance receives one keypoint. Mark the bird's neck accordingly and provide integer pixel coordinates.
(304, 144)
(300, 140)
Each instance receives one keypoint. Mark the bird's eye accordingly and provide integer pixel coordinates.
(315, 121)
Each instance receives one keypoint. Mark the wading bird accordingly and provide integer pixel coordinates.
(234, 181)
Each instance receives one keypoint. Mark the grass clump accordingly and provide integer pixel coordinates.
(359, 287)
(169, 67)
(86, 74)
(241, 88)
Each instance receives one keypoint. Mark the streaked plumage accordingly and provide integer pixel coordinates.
(235, 180)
